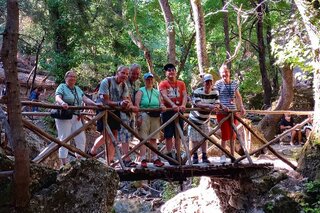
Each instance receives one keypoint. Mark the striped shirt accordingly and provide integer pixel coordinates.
(227, 93)
(199, 95)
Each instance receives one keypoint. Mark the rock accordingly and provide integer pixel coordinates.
(309, 162)
(199, 199)
(273, 192)
(82, 186)
(132, 205)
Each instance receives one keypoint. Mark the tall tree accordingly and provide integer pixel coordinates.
(203, 60)
(226, 33)
(267, 124)
(9, 51)
(262, 56)
(312, 26)
(171, 42)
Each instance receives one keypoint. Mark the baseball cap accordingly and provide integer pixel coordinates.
(207, 77)
(147, 75)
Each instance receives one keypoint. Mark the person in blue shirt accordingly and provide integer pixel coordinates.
(34, 96)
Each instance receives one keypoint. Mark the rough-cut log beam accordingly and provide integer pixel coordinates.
(171, 173)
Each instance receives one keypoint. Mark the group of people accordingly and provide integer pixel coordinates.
(295, 135)
(123, 91)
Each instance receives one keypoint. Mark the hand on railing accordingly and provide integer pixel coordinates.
(134, 108)
(124, 104)
(163, 108)
(64, 105)
(182, 108)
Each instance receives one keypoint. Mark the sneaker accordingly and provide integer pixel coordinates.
(195, 161)
(130, 164)
(158, 163)
(223, 159)
(144, 163)
(205, 160)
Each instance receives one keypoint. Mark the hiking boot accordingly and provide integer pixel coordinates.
(195, 161)
(205, 160)
(130, 164)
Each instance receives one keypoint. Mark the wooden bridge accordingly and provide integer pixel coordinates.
(235, 167)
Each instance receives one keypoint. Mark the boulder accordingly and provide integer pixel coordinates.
(272, 192)
(81, 186)
(309, 161)
(199, 199)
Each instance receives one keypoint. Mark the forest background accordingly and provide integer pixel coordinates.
(264, 39)
(95, 37)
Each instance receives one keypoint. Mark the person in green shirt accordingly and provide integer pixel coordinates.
(148, 122)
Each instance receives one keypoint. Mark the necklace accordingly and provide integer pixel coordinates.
(175, 90)
(149, 96)
(229, 89)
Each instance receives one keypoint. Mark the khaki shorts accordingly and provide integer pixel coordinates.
(195, 136)
(149, 125)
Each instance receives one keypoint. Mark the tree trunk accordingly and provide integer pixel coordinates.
(262, 57)
(226, 34)
(185, 53)
(274, 69)
(21, 177)
(203, 61)
(306, 11)
(171, 42)
(268, 124)
(60, 36)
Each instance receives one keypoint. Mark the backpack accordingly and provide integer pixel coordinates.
(96, 90)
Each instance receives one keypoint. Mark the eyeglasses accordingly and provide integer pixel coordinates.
(171, 70)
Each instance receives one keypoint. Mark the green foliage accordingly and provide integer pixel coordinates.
(170, 190)
(291, 44)
(312, 201)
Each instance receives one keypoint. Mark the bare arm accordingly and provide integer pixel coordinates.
(89, 101)
(59, 100)
(239, 98)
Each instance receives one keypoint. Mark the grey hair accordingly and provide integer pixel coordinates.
(122, 67)
(134, 66)
(70, 71)
(223, 67)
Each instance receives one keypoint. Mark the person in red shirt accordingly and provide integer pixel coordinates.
(174, 95)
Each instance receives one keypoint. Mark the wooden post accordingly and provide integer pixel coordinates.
(105, 136)
(177, 141)
(178, 127)
(232, 141)
(241, 142)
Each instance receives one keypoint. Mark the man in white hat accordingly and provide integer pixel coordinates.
(206, 97)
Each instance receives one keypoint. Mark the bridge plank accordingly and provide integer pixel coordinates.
(180, 173)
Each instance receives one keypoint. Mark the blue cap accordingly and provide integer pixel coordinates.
(147, 75)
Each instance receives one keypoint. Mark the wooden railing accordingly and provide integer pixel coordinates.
(55, 143)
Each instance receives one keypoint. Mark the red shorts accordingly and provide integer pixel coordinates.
(226, 128)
